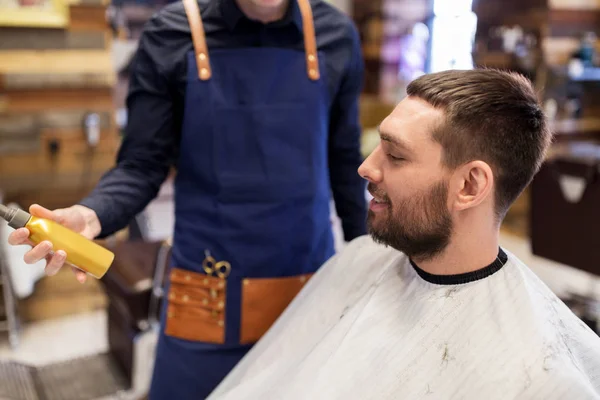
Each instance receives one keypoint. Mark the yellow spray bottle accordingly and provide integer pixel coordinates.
(82, 253)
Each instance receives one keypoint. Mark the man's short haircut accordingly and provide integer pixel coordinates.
(492, 116)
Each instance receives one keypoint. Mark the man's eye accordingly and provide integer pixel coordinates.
(395, 158)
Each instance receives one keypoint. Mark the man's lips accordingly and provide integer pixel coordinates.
(379, 201)
(378, 204)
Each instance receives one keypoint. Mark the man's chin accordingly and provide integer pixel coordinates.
(372, 222)
(378, 220)
(379, 238)
(377, 231)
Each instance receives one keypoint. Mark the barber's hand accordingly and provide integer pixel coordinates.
(77, 218)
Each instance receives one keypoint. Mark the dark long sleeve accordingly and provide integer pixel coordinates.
(156, 100)
(149, 144)
(344, 148)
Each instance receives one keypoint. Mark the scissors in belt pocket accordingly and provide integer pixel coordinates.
(212, 267)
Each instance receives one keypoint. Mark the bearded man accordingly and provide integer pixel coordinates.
(429, 306)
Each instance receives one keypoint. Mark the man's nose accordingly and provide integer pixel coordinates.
(370, 168)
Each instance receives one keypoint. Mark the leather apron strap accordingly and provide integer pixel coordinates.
(195, 21)
(199, 39)
(310, 40)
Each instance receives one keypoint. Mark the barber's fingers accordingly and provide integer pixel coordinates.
(79, 275)
(54, 262)
(43, 250)
(42, 212)
(18, 237)
(60, 215)
(70, 217)
(38, 252)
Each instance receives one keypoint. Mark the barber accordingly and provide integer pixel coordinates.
(256, 104)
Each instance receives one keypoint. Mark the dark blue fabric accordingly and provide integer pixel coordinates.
(158, 87)
(253, 189)
(186, 370)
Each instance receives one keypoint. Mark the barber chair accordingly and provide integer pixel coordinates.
(134, 286)
(565, 207)
(565, 217)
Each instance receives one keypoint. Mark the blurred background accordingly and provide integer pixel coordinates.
(64, 68)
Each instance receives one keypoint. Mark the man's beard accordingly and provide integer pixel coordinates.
(419, 227)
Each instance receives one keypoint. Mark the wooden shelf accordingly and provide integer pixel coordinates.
(573, 16)
(569, 22)
(26, 101)
(558, 50)
(572, 126)
(88, 18)
(16, 82)
(583, 5)
(493, 59)
(55, 62)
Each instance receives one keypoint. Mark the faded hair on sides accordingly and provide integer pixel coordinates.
(492, 116)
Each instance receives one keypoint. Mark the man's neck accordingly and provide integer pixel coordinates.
(469, 250)
(263, 14)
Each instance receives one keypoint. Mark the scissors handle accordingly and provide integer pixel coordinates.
(208, 265)
(212, 267)
(222, 269)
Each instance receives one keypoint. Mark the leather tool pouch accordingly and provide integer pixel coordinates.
(196, 307)
(263, 301)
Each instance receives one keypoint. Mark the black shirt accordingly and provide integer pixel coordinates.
(156, 98)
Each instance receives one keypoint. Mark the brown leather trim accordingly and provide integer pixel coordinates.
(201, 50)
(210, 299)
(197, 29)
(310, 42)
(196, 279)
(196, 307)
(263, 301)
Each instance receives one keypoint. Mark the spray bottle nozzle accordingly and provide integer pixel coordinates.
(4, 211)
(16, 218)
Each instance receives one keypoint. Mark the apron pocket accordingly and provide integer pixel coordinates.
(263, 301)
(196, 307)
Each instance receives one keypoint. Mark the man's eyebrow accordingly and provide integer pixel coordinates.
(393, 140)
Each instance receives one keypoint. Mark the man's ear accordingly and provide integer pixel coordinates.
(474, 183)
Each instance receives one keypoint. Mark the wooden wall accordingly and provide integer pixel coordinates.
(50, 79)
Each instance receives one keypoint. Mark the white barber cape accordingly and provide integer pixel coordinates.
(368, 326)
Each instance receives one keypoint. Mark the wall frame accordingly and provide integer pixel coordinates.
(34, 13)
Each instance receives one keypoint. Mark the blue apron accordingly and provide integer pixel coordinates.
(252, 202)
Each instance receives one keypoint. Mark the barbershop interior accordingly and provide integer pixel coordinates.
(71, 75)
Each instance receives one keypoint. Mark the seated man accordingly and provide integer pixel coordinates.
(429, 306)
